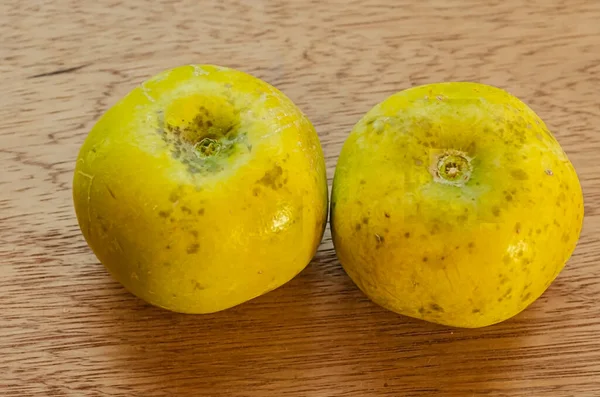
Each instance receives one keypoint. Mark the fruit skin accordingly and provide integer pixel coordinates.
(201, 189)
(468, 254)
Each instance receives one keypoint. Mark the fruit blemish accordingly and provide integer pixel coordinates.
(203, 132)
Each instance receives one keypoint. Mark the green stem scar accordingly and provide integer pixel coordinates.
(204, 133)
(452, 167)
(207, 147)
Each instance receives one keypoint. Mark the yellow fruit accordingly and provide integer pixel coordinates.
(453, 203)
(201, 189)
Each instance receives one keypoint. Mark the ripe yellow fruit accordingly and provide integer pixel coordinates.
(453, 203)
(201, 189)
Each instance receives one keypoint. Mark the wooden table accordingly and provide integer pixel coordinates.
(68, 329)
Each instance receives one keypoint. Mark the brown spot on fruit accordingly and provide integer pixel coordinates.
(407, 235)
(174, 196)
(496, 211)
(186, 210)
(193, 248)
(436, 307)
(526, 297)
(503, 279)
(194, 233)
(357, 227)
(197, 286)
(519, 174)
(164, 214)
(387, 215)
(362, 181)
(201, 211)
(365, 220)
(271, 177)
(471, 148)
(475, 311)
(518, 227)
(255, 191)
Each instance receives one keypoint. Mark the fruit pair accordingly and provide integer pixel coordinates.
(206, 187)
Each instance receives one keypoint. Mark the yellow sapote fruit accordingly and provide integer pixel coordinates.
(201, 189)
(453, 203)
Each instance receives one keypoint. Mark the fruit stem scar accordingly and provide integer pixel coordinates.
(207, 147)
(452, 167)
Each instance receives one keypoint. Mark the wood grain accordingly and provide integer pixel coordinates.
(68, 329)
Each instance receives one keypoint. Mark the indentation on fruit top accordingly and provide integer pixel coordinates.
(203, 132)
(452, 167)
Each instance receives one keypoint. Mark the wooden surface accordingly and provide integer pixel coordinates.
(68, 329)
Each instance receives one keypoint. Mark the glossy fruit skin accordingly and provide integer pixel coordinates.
(201, 189)
(468, 254)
